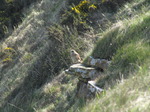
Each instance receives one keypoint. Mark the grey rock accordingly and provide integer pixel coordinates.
(98, 63)
(82, 90)
(83, 72)
(87, 90)
(93, 88)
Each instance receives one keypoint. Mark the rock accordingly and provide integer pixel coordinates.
(87, 90)
(82, 90)
(83, 72)
(98, 63)
(93, 88)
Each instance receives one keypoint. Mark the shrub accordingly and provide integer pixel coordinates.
(83, 8)
(77, 15)
(8, 54)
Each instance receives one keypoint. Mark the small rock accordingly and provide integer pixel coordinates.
(93, 88)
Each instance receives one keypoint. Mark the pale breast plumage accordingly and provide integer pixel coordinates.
(75, 57)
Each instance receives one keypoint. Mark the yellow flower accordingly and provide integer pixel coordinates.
(82, 8)
(8, 48)
(84, 2)
(82, 22)
(92, 6)
(77, 11)
(72, 8)
(7, 59)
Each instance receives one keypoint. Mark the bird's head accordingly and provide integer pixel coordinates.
(72, 51)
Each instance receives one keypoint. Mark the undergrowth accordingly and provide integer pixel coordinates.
(11, 14)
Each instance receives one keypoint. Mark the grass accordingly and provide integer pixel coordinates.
(121, 34)
(42, 54)
(129, 95)
(58, 94)
(127, 44)
(37, 83)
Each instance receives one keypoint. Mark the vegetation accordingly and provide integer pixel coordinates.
(11, 14)
(127, 44)
(33, 80)
(83, 7)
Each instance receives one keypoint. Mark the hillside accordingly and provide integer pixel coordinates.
(34, 56)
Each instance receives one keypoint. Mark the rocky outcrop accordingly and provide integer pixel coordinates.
(86, 74)
(98, 63)
(83, 72)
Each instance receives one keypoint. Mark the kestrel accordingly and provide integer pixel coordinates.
(75, 57)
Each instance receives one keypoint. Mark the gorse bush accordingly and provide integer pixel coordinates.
(83, 8)
(77, 15)
(8, 54)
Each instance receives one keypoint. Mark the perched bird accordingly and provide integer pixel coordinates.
(75, 57)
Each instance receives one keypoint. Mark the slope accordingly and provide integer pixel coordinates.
(30, 80)
(127, 43)
(34, 55)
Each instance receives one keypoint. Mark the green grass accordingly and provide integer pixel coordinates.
(133, 54)
(129, 95)
(127, 45)
(123, 33)
(42, 55)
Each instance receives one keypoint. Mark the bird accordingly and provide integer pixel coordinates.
(75, 57)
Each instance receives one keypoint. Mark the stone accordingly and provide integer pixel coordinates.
(98, 63)
(82, 90)
(86, 87)
(93, 88)
(83, 72)
(87, 90)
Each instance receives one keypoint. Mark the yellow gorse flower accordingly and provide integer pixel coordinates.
(7, 59)
(75, 9)
(92, 6)
(82, 22)
(83, 7)
(80, 6)
(84, 2)
(8, 48)
(10, 52)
